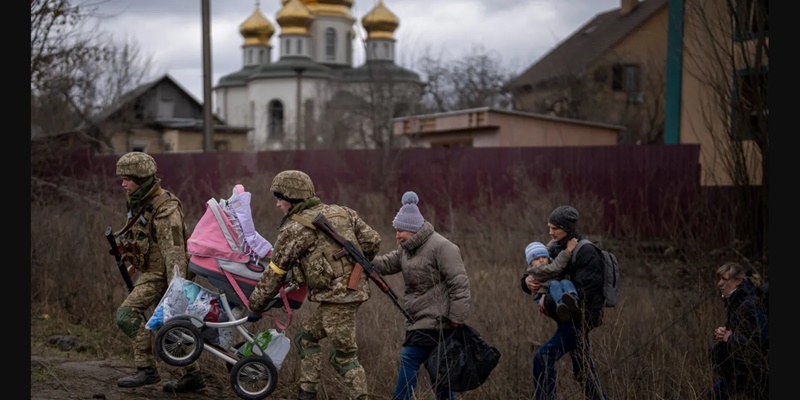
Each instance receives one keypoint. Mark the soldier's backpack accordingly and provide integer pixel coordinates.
(610, 276)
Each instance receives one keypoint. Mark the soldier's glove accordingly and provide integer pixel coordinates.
(253, 316)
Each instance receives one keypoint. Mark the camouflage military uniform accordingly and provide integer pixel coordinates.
(309, 254)
(153, 241)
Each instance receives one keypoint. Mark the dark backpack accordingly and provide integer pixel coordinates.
(610, 275)
(462, 361)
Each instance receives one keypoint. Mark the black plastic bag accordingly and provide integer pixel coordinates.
(463, 360)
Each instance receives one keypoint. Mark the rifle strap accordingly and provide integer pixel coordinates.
(160, 199)
(302, 221)
(305, 222)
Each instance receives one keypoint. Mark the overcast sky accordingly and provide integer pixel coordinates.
(520, 31)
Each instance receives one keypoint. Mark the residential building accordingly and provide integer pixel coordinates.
(161, 116)
(611, 69)
(313, 96)
(717, 84)
(488, 127)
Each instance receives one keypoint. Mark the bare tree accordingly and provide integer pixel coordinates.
(77, 71)
(729, 58)
(476, 79)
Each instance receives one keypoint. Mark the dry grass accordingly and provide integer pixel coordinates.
(654, 345)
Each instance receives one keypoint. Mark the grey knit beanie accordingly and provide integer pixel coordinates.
(409, 218)
(564, 217)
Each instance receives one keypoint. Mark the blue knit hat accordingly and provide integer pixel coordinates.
(535, 250)
(409, 218)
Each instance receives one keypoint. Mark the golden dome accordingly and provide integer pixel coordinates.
(294, 18)
(380, 23)
(305, 2)
(256, 29)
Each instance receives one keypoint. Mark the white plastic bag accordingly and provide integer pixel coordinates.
(182, 297)
(278, 348)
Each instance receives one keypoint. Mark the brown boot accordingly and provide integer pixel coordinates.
(303, 395)
(143, 376)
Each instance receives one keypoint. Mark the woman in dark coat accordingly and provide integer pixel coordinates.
(739, 351)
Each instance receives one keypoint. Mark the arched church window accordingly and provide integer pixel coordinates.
(330, 44)
(386, 51)
(288, 46)
(261, 56)
(300, 46)
(275, 120)
(249, 56)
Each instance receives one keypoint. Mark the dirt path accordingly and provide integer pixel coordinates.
(60, 375)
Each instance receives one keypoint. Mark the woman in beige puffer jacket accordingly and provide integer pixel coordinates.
(436, 291)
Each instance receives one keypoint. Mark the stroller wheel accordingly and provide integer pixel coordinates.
(254, 377)
(179, 343)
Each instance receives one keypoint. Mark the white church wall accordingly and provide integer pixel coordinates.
(232, 105)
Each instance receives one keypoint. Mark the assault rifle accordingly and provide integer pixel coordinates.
(360, 262)
(117, 256)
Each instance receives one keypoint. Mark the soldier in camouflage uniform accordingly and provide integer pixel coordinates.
(153, 241)
(308, 253)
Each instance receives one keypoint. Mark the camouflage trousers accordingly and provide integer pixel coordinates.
(131, 320)
(337, 322)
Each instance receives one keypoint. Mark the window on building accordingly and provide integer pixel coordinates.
(221, 145)
(299, 46)
(750, 107)
(373, 51)
(261, 56)
(330, 44)
(386, 54)
(752, 17)
(252, 113)
(275, 128)
(625, 77)
(308, 118)
(249, 56)
(288, 46)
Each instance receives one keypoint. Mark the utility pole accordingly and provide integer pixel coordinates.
(208, 122)
(301, 138)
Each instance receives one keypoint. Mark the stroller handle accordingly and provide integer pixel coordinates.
(288, 288)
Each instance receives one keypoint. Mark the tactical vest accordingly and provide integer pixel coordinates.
(137, 238)
(320, 267)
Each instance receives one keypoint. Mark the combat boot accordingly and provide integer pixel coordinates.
(188, 382)
(303, 395)
(143, 376)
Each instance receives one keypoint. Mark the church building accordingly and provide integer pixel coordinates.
(313, 96)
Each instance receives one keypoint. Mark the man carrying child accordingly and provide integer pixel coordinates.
(544, 269)
(586, 272)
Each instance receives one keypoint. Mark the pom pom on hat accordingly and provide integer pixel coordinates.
(535, 250)
(409, 218)
(410, 198)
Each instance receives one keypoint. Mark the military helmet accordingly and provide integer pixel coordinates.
(293, 184)
(136, 164)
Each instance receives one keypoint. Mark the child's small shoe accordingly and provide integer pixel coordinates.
(570, 301)
(562, 311)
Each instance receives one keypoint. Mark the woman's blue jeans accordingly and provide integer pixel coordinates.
(411, 359)
(568, 338)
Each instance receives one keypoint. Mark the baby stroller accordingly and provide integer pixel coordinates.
(226, 250)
